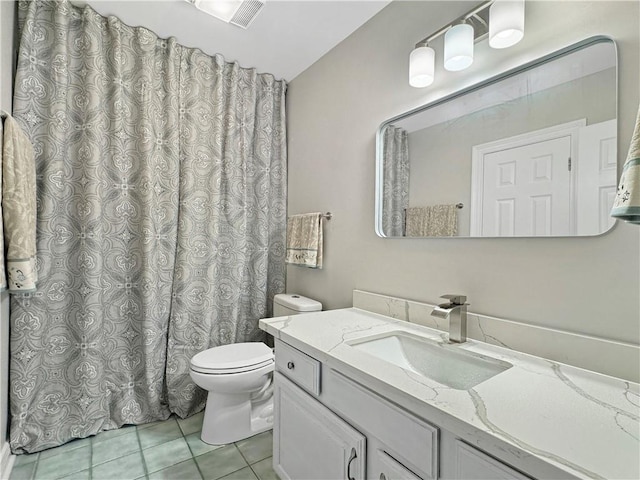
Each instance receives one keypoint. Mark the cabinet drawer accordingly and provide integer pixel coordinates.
(298, 366)
(472, 464)
(407, 438)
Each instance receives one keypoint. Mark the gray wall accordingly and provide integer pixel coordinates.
(587, 285)
(7, 30)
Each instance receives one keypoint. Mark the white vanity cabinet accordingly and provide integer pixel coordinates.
(329, 427)
(310, 441)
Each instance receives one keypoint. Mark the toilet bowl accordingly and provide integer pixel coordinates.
(240, 400)
(239, 378)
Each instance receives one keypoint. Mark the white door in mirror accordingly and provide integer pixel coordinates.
(526, 190)
(597, 177)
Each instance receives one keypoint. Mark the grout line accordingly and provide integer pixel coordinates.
(254, 472)
(144, 463)
(241, 454)
(91, 458)
(193, 457)
(35, 468)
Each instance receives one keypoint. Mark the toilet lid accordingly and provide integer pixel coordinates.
(231, 358)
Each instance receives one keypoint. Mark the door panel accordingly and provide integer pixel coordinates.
(527, 190)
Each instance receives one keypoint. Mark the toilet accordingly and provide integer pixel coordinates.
(238, 378)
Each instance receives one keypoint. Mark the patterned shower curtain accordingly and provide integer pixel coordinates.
(395, 188)
(161, 221)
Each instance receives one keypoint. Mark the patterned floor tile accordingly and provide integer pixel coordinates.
(128, 467)
(191, 424)
(243, 474)
(153, 424)
(197, 446)
(109, 434)
(115, 447)
(67, 447)
(256, 448)
(264, 469)
(83, 475)
(23, 472)
(166, 454)
(25, 458)
(187, 470)
(171, 449)
(159, 433)
(62, 465)
(220, 462)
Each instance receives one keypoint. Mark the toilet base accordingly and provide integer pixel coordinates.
(232, 417)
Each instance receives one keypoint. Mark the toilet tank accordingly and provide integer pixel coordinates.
(292, 304)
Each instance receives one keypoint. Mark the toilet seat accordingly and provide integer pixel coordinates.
(233, 358)
(229, 371)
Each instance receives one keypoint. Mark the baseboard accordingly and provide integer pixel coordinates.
(7, 461)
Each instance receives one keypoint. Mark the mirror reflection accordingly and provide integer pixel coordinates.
(531, 153)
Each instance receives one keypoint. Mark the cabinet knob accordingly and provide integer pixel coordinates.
(290, 365)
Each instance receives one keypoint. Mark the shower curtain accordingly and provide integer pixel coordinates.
(395, 188)
(161, 221)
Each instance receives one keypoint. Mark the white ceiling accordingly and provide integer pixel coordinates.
(285, 38)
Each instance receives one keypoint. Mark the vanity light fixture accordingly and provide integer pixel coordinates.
(458, 47)
(506, 23)
(501, 20)
(236, 12)
(422, 66)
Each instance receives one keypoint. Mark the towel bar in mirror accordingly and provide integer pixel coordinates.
(531, 152)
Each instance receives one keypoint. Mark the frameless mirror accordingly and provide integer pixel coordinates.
(531, 152)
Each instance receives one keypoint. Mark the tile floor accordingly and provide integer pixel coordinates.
(170, 449)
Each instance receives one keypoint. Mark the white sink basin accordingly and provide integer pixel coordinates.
(445, 363)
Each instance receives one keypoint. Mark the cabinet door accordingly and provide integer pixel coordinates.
(310, 441)
(472, 464)
(387, 468)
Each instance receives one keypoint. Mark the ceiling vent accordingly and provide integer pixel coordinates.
(248, 10)
(236, 12)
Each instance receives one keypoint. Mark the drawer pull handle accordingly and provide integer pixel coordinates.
(351, 459)
(383, 476)
(290, 365)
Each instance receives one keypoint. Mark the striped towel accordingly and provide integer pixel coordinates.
(304, 240)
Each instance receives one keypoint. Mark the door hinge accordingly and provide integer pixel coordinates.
(569, 164)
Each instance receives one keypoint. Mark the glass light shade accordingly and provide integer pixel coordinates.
(458, 47)
(506, 23)
(422, 65)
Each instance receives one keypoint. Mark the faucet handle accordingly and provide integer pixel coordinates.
(455, 298)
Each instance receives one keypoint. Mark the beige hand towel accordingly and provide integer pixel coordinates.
(18, 208)
(304, 240)
(432, 221)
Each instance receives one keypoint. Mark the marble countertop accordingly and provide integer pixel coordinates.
(563, 421)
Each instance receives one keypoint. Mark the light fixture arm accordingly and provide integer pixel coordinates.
(477, 17)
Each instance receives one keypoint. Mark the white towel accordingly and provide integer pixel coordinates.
(18, 209)
(432, 221)
(304, 240)
(626, 205)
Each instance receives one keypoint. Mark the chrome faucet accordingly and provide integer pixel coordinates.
(456, 312)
